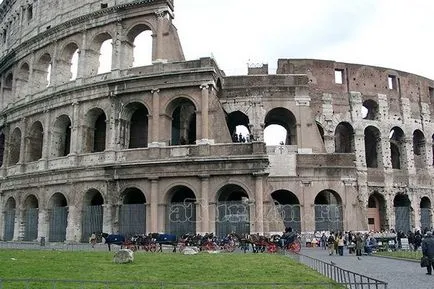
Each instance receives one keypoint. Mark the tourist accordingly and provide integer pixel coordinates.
(341, 244)
(428, 251)
(92, 239)
(331, 243)
(359, 244)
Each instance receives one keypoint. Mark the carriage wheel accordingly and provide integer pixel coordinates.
(295, 246)
(271, 248)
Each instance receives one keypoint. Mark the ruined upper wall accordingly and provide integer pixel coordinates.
(370, 81)
(23, 19)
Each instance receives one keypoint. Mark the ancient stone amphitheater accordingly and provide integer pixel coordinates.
(152, 148)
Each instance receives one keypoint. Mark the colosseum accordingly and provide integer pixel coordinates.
(130, 147)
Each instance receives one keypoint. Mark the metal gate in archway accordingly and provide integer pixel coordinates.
(328, 218)
(132, 219)
(290, 215)
(9, 223)
(402, 219)
(31, 224)
(232, 216)
(91, 222)
(181, 218)
(425, 218)
(58, 223)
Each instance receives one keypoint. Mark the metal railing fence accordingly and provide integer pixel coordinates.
(349, 279)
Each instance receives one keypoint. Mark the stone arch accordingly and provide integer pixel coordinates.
(15, 147)
(183, 127)
(132, 215)
(35, 142)
(100, 58)
(232, 210)
(397, 147)
(234, 120)
(22, 79)
(320, 130)
(2, 146)
(60, 145)
(373, 150)
(30, 218)
(419, 151)
(376, 212)
(67, 63)
(135, 125)
(344, 138)
(139, 51)
(58, 216)
(8, 87)
(402, 206)
(94, 131)
(9, 219)
(283, 117)
(328, 211)
(287, 205)
(92, 221)
(425, 214)
(371, 109)
(42, 71)
(181, 211)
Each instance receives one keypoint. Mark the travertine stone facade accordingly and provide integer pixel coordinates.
(151, 148)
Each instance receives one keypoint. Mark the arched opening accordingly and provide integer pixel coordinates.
(35, 142)
(425, 214)
(372, 147)
(132, 214)
(42, 72)
(183, 122)
(419, 151)
(30, 218)
(320, 130)
(2, 146)
(238, 125)
(284, 118)
(288, 206)
(7, 89)
(328, 211)
(105, 56)
(92, 221)
(370, 110)
(58, 215)
(376, 212)
(14, 147)
(9, 219)
(402, 204)
(22, 80)
(344, 138)
(61, 137)
(397, 141)
(135, 125)
(232, 211)
(95, 131)
(67, 65)
(181, 211)
(141, 37)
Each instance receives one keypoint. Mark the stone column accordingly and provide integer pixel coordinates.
(155, 117)
(204, 113)
(303, 104)
(408, 156)
(259, 204)
(158, 48)
(19, 225)
(23, 144)
(204, 204)
(43, 223)
(73, 230)
(360, 152)
(154, 206)
(46, 141)
(107, 220)
(75, 137)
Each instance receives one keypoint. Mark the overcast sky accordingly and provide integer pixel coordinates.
(397, 34)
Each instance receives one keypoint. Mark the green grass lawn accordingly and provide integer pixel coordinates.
(157, 267)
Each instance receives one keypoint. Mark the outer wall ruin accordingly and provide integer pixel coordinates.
(151, 148)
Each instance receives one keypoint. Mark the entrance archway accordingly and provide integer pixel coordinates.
(328, 211)
(376, 212)
(288, 206)
(9, 219)
(30, 220)
(402, 207)
(181, 211)
(58, 218)
(425, 214)
(92, 214)
(232, 211)
(132, 214)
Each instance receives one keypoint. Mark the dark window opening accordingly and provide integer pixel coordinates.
(29, 13)
(104, 5)
(371, 221)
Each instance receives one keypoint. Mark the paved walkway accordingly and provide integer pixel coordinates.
(397, 273)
